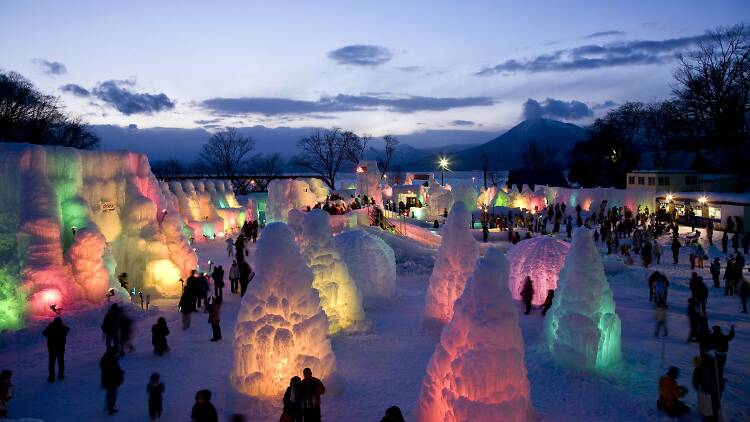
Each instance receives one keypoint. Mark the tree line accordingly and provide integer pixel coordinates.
(704, 126)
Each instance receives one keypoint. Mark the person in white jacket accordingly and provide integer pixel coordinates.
(234, 277)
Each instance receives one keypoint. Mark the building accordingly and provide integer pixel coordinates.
(716, 207)
(680, 181)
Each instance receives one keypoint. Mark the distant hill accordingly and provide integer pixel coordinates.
(505, 151)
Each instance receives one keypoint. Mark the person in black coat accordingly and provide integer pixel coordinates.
(548, 301)
(155, 390)
(527, 294)
(159, 333)
(56, 333)
(218, 277)
(112, 377)
(111, 326)
(699, 290)
(186, 307)
(293, 400)
(312, 389)
(203, 409)
(393, 414)
(245, 276)
(720, 344)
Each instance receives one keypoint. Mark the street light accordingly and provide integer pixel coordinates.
(670, 197)
(703, 200)
(443, 163)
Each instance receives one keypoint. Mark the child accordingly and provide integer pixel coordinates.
(155, 390)
(159, 333)
(6, 392)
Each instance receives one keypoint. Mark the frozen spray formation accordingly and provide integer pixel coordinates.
(73, 218)
(582, 328)
(281, 327)
(455, 262)
(287, 194)
(371, 262)
(541, 258)
(477, 371)
(339, 296)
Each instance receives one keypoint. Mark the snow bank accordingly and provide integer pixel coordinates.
(371, 262)
(281, 327)
(455, 262)
(582, 328)
(339, 296)
(287, 194)
(477, 371)
(541, 258)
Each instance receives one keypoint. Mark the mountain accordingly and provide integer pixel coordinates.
(505, 151)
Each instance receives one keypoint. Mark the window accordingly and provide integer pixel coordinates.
(651, 181)
(691, 180)
(663, 181)
(631, 180)
(641, 180)
(714, 212)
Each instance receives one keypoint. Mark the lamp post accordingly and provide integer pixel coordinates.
(443, 163)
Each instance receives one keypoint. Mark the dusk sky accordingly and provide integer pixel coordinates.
(376, 67)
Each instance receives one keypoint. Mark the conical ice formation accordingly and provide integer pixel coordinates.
(477, 372)
(455, 262)
(582, 328)
(339, 296)
(281, 327)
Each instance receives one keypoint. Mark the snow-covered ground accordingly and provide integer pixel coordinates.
(385, 365)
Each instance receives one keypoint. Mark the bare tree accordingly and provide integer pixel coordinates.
(167, 168)
(664, 128)
(390, 148)
(323, 153)
(224, 155)
(355, 146)
(539, 155)
(266, 166)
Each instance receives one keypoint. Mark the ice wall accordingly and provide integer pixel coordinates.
(340, 298)
(371, 263)
(281, 327)
(368, 180)
(541, 258)
(582, 328)
(477, 372)
(287, 194)
(207, 208)
(455, 262)
(72, 214)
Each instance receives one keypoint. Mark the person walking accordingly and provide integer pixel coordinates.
(675, 251)
(293, 401)
(698, 290)
(234, 278)
(203, 409)
(715, 270)
(246, 274)
(155, 390)
(660, 316)
(111, 327)
(186, 307)
(527, 294)
(710, 232)
(548, 301)
(56, 333)
(214, 317)
(6, 392)
(230, 245)
(694, 318)
(112, 378)
(218, 277)
(724, 242)
(159, 333)
(736, 242)
(312, 389)
(646, 254)
(657, 249)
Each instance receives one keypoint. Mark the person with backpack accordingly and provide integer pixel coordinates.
(155, 390)
(159, 333)
(56, 334)
(112, 377)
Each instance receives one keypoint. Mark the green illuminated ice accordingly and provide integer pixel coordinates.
(582, 328)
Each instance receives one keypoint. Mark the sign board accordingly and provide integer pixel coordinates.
(106, 206)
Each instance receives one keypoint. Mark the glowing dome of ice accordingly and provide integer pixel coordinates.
(371, 262)
(540, 258)
(281, 327)
(582, 328)
(477, 372)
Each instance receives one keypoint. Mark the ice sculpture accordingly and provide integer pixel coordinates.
(540, 258)
(466, 194)
(287, 194)
(477, 372)
(207, 207)
(371, 262)
(455, 262)
(339, 296)
(72, 214)
(281, 327)
(582, 328)
(368, 180)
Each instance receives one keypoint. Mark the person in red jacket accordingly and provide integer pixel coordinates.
(670, 394)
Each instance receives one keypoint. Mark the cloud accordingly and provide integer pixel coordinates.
(594, 56)
(207, 121)
(361, 55)
(462, 123)
(604, 34)
(556, 109)
(51, 68)
(338, 103)
(604, 106)
(120, 95)
(76, 90)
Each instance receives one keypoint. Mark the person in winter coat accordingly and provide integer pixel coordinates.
(646, 254)
(704, 386)
(234, 278)
(218, 277)
(670, 393)
(155, 390)
(111, 326)
(548, 301)
(660, 316)
(694, 317)
(214, 317)
(126, 334)
(661, 289)
(720, 343)
(698, 290)
(203, 409)
(239, 246)
(724, 242)
(744, 292)
(312, 389)
(246, 274)
(715, 270)
(676, 251)
(527, 294)
(159, 333)
(112, 378)
(56, 334)
(736, 242)
(656, 250)
(293, 401)
(393, 414)
(186, 307)
(6, 392)
(230, 245)
(710, 232)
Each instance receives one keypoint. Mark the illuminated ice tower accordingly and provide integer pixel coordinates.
(582, 328)
(368, 180)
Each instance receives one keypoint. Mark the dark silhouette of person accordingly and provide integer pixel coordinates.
(312, 389)
(159, 333)
(56, 333)
(293, 401)
(203, 409)
(527, 294)
(112, 377)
